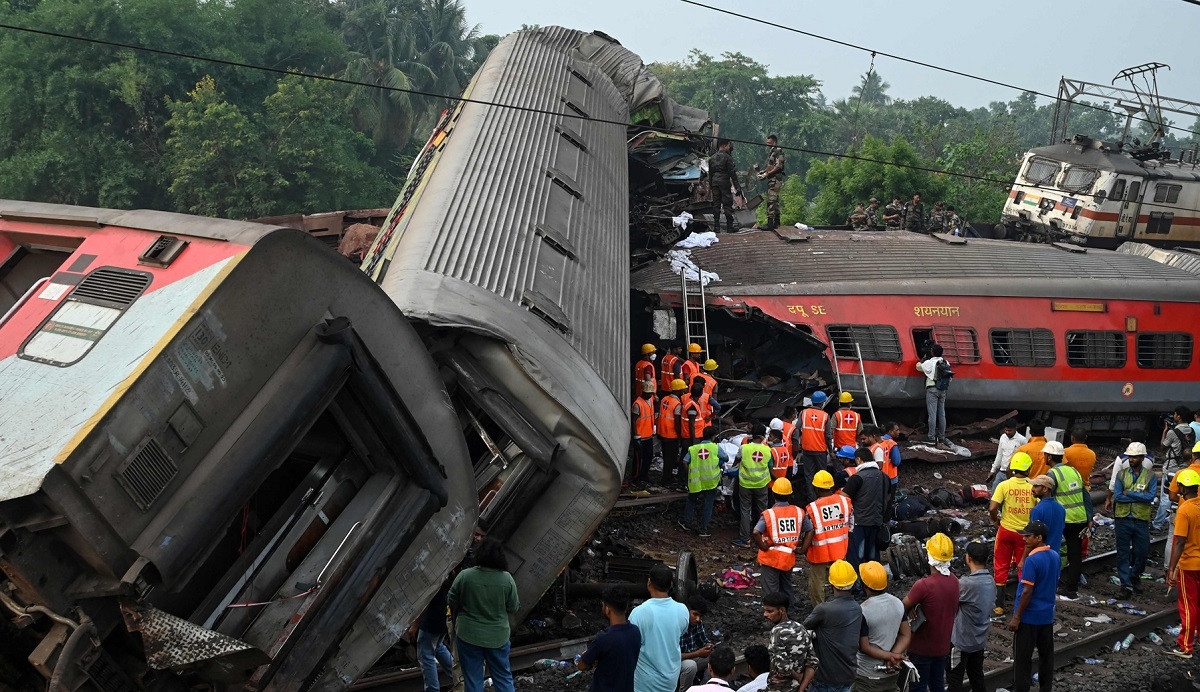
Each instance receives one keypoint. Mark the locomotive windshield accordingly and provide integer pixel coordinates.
(1079, 179)
(1041, 171)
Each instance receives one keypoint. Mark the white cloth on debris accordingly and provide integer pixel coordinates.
(956, 450)
(698, 240)
(682, 220)
(681, 261)
(942, 566)
(804, 226)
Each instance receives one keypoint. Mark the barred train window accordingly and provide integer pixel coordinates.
(877, 341)
(1040, 170)
(1167, 193)
(958, 343)
(1032, 348)
(1164, 350)
(1096, 349)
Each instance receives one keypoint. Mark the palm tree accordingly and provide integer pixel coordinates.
(445, 44)
(872, 90)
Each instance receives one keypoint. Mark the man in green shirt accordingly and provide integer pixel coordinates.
(481, 599)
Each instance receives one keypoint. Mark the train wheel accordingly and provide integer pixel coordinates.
(686, 576)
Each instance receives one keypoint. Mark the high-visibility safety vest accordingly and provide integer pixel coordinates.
(643, 372)
(845, 427)
(643, 419)
(667, 422)
(889, 469)
(782, 535)
(710, 383)
(830, 517)
(1141, 484)
(669, 364)
(703, 412)
(1069, 492)
(687, 370)
(812, 430)
(781, 461)
(789, 428)
(756, 464)
(704, 467)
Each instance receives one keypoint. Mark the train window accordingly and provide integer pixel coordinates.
(1167, 193)
(1096, 349)
(877, 341)
(1029, 348)
(1041, 171)
(958, 343)
(1135, 188)
(1160, 222)
(1164, 350)
(1118, 191)
(1078, 179)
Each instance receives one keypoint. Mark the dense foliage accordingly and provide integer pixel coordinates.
(90, 124)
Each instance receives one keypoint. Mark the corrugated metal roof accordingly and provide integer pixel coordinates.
(898, 262)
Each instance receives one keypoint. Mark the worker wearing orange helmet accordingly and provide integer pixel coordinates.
(777, 535)
(691, 367)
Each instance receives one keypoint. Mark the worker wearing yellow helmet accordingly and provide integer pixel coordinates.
(644, 372)
(668, 424)
(1009, 509)
(937, 595)
(776, 535)
(847, 422)
(1195, 466)
(1184, 567)
(837, 624)
(826, 533)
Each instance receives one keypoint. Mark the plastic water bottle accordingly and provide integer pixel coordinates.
(548, 663)
(1127, 641)
(1153, 636)
(1093, 661)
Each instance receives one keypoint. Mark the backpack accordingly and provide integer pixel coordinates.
(942, 374)
(1187, 439)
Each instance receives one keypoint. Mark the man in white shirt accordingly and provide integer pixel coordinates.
(758, 660)
(720, 668)
(1010, 440)
(935, 399)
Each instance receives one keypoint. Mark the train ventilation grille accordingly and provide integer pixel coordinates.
(112, 286)
(147, 473)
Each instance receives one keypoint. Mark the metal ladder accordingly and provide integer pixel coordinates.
(695, 316)
(862, 377)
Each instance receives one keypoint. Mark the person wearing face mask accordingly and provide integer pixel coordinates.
(643, 370)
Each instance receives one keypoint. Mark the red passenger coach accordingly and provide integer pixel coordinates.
(1031, 326)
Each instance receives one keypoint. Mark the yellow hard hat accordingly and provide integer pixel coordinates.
(648, 348)
(694, 348)
(845, 397)
(940, 547)
(710, 365)
(823, 480)
(1188, 477)
(1020, 462)
(1196, 448)
(842, 574)
(874, 576)
(783, 486)
(678, 384)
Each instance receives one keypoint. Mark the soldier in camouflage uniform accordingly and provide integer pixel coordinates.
(937, 219)
(953, 223)
(858, 218)
(773, 174)
(914, 215)
(793, 657)
(893, 213)
(873, 215)
(722, 173)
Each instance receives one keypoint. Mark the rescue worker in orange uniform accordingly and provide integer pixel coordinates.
(825, 533)
(815, 430)
(781, 460)
(846, 422)
(690, 367)
(642, 448)
(668, 368)
(703, 407)
(668, 426)
(710, 382)
(891, 455)
(788, 422)
(643, 370)
(777, 535)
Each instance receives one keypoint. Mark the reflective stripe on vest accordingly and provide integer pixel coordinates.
(1139, 510)
(781, 461)
(756, 460)
(669, 363)
(1069, 493)
(788, 429)
(666, 418)
(704, 467)
(812, 431)
(644, 372)
(643, 418)
(782, 533)
(830, 517)
(889, 469)
(845, 427)
(689, 405)
(710, 383)
(688, 370)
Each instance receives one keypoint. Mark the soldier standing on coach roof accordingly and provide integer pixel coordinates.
(937, 219)
(873, 214)
(722, 173)
(893, 213)
(914, 215)
(953, 224)
(858, 218)
(774, 177)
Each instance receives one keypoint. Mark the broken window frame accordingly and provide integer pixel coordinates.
(1036, 347)
(1164, 350)
(878, 342)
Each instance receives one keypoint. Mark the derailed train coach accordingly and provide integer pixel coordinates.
(229, 458)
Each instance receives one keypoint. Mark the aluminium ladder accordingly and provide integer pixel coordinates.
(695, 314)
(862, 377)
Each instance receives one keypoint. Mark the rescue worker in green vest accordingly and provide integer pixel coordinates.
(704, 462)
(1071, 492)
(1133, 494)
(754, 472)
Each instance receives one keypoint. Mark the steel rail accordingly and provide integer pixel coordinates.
(520, 659)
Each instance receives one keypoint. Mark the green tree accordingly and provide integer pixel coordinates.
(887, 170)
(872, 90)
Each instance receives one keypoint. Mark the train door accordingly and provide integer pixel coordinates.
(1127, 217)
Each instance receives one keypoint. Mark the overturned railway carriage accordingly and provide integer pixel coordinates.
(1090, 192)
(227, 455)
(1032, 326)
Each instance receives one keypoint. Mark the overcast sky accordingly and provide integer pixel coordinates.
(1028, 43)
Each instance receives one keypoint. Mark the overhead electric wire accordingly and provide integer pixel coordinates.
(920, 63)
(527, 109)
